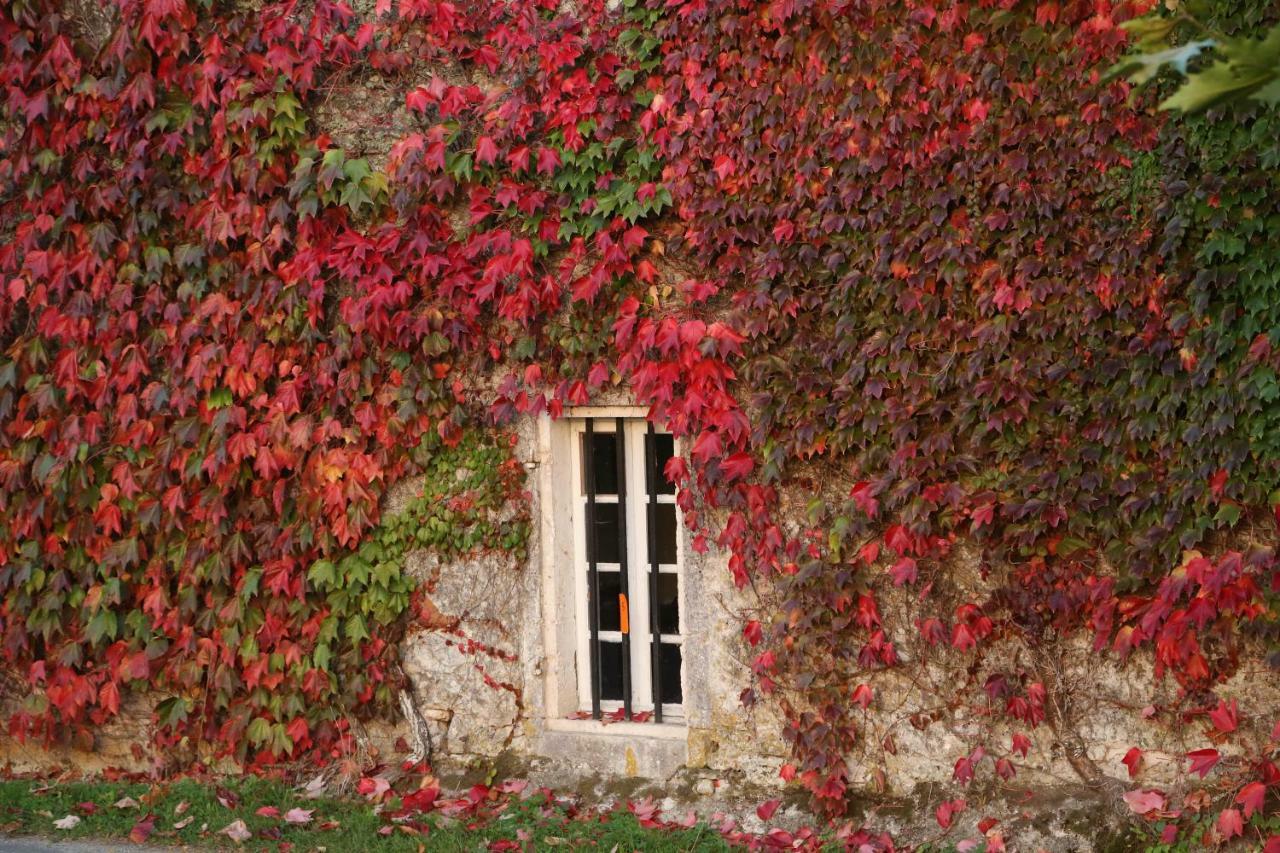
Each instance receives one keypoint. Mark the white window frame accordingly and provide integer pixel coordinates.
(638, 566)
(562, 558)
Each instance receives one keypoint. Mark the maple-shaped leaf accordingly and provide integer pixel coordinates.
(1225, 717)
(903, 572)
(298, 815)
(1203, 760)
(1252, 796)
(418, 100)
(723, 166)
(737, 466)
(1230, 823)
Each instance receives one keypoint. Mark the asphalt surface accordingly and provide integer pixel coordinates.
(41, 845)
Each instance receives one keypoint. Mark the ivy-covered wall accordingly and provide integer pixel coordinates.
(911, 280)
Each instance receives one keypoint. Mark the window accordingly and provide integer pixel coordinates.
(628, 619)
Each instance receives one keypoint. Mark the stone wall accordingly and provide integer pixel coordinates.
(479, 697)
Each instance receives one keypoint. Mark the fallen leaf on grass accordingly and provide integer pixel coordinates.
(87, 807)
(126, 803)
(68, 822)
(181, 808)
(330, 824)
(142, 829)
(237, 831)
(184, 823)
(314, 788)
(268, 811)
(298, 815)
(229, 799)
(373, 786)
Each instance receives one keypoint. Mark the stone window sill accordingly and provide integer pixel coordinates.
(658, 731)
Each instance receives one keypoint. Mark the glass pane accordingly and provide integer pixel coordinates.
(669, 678)
(669, 604)
(664, 532)
(611, 670)
(603, 547)
(605, 461)
(665, 448)
(610, 610)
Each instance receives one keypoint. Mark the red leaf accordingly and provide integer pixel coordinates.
(723, 166)
(418, 100)
(1225, 717)
(1133, 760)
(903, 571)
(1218, 482)
(766, 809)
(1203, 760)
(737, 466)
(1251, 796)
(864, 497)
(486, 151)
(946, 812)
(1143, 802)
(142, 829)
(1230, 823)
(372, 786)
(548, 160)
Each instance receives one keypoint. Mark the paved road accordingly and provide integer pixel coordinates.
(40, 845)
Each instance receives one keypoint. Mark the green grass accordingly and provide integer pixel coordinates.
(29, 807)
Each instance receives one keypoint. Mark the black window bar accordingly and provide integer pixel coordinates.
(651, 490)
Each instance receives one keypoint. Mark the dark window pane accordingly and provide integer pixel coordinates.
(611, 670)
(665, 448)
(610, 610)
(669, 678)
(605, 459)
(664, 532)
(669, 604)
(603, 547)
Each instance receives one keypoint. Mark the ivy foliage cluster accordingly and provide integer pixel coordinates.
(990, 293)
(223, 338)
(1008, 303)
